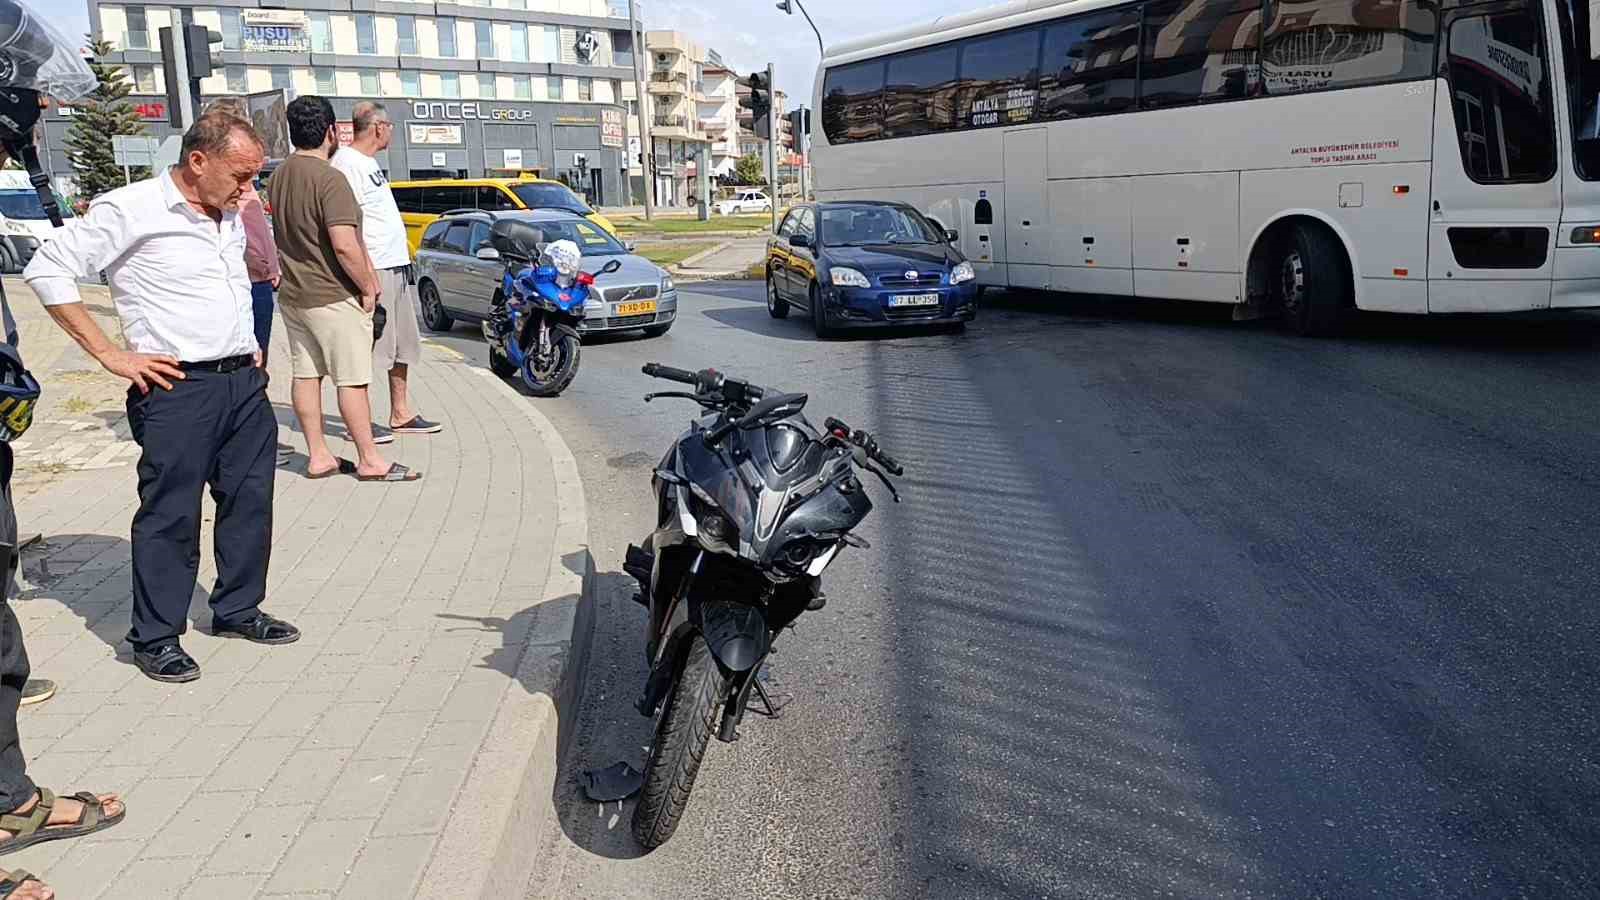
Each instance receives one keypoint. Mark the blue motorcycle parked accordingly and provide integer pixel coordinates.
(532, 328)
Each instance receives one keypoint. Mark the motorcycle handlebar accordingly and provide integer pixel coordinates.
(867, 443)
(656, 370)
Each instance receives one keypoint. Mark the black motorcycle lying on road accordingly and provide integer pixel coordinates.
(753, 503)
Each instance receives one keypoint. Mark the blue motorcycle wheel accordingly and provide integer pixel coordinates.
(551, 377)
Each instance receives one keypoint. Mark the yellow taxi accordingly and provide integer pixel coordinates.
(423, 202)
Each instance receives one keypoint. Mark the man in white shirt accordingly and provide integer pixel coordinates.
(172, 248)
(384, 232)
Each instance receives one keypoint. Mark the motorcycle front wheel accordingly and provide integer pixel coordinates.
(682, 733)
(549, 377)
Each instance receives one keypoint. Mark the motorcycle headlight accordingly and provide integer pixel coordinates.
(847, 277)
(962, 273)
(667, 286)
(715, 531)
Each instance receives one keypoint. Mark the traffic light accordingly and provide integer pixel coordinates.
(197, 41)
(800, 122)
(759, 103)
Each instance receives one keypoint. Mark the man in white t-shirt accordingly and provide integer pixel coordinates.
(384, 232)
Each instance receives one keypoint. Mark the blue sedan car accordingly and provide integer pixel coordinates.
(866, 264)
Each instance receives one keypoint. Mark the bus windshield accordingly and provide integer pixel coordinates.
(551, 196)
(24, 204)
(1583, 76)
(845, 226)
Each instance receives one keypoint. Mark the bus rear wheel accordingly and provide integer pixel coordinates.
(1312, 282)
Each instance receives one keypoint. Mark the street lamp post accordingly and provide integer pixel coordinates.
(647, 151)
(788, 7)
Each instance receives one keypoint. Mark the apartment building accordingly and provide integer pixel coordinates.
(475, 87)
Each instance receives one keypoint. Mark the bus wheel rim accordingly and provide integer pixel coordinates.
(1294, 280)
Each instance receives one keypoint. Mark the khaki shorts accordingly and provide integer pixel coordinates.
(401, 341)
(331, 341)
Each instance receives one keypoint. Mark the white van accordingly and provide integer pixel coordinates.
(23, 224)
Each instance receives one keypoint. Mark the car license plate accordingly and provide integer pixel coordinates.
(636, 309)
(914, 300)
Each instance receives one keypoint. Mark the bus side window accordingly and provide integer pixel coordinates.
(983, 213)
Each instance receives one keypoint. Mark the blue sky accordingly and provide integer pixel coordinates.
(748, 33)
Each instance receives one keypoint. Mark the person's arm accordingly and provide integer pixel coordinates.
(352, 256)
(86, 246)
(342, 214)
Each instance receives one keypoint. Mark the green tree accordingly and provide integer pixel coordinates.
(98, 117)
(750, 170)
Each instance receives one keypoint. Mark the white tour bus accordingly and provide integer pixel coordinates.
(1294, 156)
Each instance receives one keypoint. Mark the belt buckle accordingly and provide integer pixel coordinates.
(231, 364)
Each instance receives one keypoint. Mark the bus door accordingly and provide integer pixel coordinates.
(1496, 192)
(1027, 209)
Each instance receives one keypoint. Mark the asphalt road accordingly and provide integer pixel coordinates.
(1172, 606)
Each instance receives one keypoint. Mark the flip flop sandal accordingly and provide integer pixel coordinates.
(396, 472)
(11, 882)
(345, 467)
(31, 829)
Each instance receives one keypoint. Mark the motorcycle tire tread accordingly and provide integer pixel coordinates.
(680, 743)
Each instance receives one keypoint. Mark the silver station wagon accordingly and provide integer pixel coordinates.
(459, 273)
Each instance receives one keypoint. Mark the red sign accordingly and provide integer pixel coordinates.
(151, 110)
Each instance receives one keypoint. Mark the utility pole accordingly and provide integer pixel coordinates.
(773, 134)
(647, 150)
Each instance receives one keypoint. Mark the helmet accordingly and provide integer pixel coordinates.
(565, 258)
(19, 392)
(35, 56)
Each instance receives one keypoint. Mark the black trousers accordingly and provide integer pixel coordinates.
(217, 429)
(16, 788)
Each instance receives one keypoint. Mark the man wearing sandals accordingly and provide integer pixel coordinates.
(172, 248)
(400, 346)
(327, 294)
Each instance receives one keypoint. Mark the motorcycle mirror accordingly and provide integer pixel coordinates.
(610, 267)
(488, 254)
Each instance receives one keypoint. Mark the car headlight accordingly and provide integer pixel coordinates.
(667, 286)
(845, 277)
(962, 273)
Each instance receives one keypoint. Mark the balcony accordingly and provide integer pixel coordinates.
(681, 127)
(668, 83)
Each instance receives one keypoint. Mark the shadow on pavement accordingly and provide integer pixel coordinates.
(90, 575)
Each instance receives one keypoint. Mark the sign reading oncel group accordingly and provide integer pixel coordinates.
(274, 30)
(434, 109)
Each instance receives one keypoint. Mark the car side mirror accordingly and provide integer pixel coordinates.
(631, 246)
(487, 254)
(799, 240)
(951, 235)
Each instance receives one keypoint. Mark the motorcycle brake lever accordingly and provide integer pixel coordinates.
(673, 395)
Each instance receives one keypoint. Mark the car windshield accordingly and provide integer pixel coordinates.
(24, 204)
(550, 196)
(592, 240)
(846, 226)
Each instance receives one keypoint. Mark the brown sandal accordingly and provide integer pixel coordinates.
(11, 882)
(31, 828)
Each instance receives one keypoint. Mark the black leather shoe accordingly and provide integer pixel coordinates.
(167, 662)
(262, 629)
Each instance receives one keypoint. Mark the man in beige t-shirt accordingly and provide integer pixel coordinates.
(327, 294)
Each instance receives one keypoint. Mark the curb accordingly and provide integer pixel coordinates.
(677, 267)
(502, 815)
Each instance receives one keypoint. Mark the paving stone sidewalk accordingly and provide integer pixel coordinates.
(329, 767)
